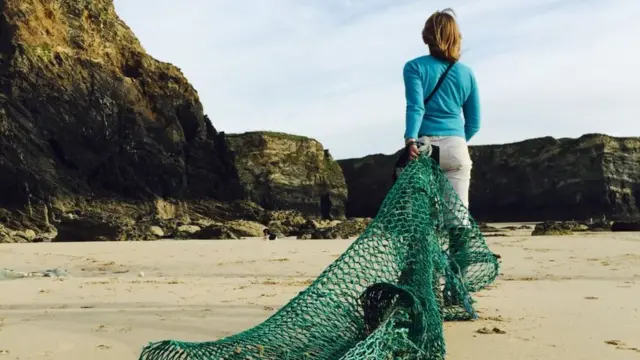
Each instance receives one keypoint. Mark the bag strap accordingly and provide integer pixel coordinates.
(440, 80)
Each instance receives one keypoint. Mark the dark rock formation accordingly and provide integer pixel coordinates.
(85, 228)
(334, 230)
(284, 223)
(288, 172)
(517, 227)
(234, 229)
(86, 116)
(599, 225)
(559, 179)
(545, 178)
(486, 228)
(625, 226)
(7, 236)
(368, 182)
(558, 228)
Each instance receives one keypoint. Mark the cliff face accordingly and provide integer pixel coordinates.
(288, 172)
(536, 179)
(86, 113)
(368, 181)
(560, 179)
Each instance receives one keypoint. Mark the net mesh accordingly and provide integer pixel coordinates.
(385, 297)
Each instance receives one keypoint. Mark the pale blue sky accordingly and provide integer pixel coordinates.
(332, 69)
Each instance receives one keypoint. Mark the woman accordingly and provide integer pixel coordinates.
(440, 123)
(439, 90)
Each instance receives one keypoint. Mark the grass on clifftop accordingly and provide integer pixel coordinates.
(87, 29)
(63, 36)
(275, 134)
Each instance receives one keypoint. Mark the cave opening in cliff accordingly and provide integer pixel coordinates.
(325, 206)
(59, 153)
(132, 68)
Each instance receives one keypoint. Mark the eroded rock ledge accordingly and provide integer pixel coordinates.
(289, 172)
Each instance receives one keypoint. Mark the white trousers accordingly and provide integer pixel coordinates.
(456, 164)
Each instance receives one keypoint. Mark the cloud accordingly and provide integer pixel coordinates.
(332, 69)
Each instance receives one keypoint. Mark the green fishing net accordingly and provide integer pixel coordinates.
(385, 297)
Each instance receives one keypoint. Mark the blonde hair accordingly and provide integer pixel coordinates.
(442, 35)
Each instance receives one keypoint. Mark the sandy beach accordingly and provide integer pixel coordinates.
(568, 297)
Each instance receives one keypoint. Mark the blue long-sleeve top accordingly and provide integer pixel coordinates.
(457, 95)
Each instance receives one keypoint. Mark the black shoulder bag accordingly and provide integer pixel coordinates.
(403, 159)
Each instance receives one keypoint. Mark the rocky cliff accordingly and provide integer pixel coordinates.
(89, 120)
(537, 179)
(289, 172)
(368, 181)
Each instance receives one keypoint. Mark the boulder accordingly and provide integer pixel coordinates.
(579, 227)
(45, 236)
(187, 230)
(74, 227)
(560, 179)
(351, 227)
(4, 235)
(288, 172)
(280, 229)
(86, 115)
(601, 225)
(334, 230)
(235, 229)
(286, 217)
(156, 231)
(8, 236)
(486, 228)
(214, 231)
(243, 228)
(28, 235)
(553, 228)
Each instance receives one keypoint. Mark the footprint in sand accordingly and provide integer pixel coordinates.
(489, 331)
(100, 328)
